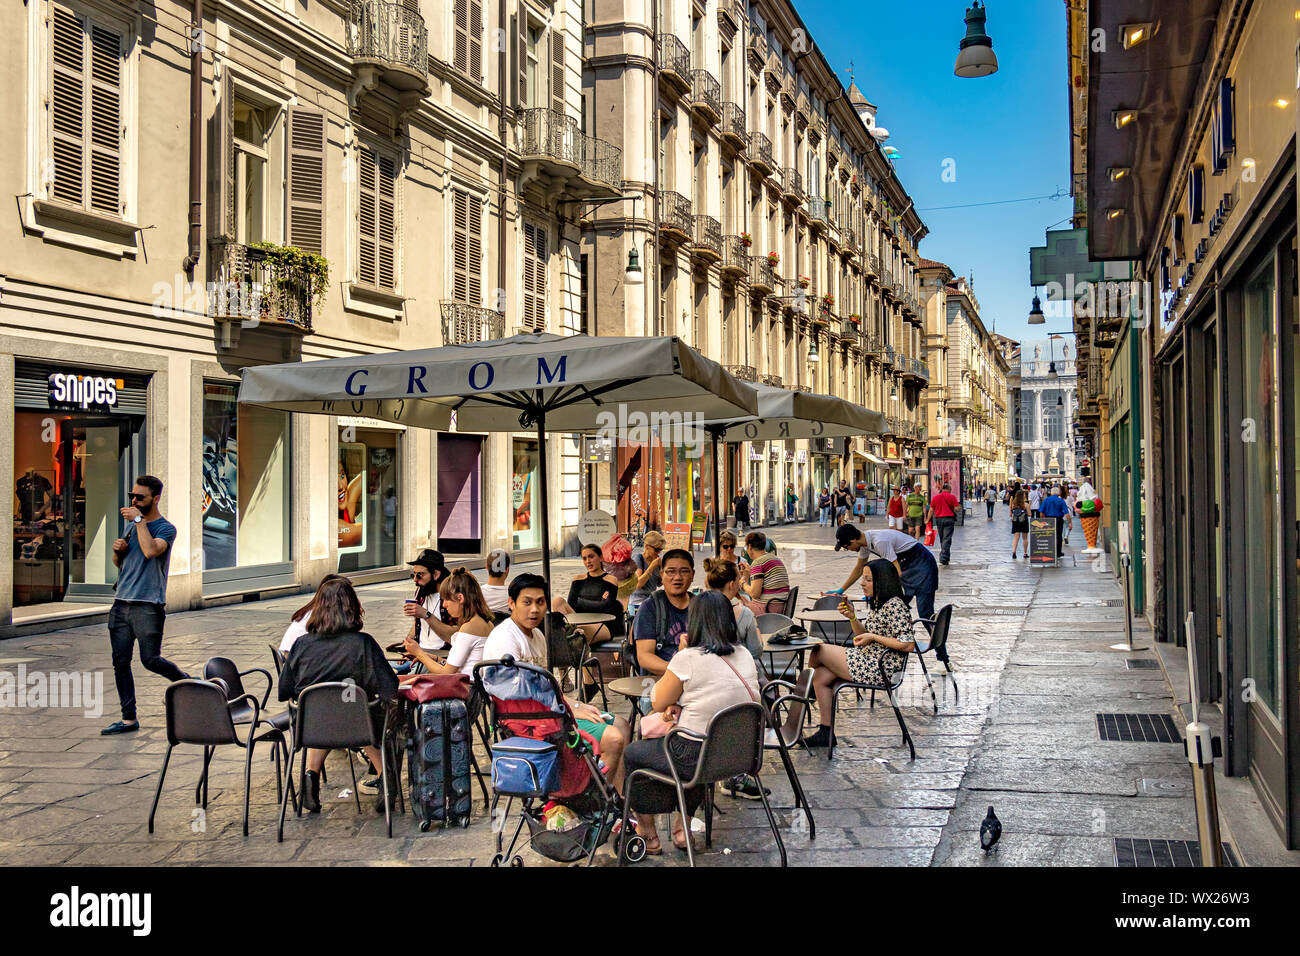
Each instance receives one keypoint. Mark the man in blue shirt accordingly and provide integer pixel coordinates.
(139, 606)
(1054, 506)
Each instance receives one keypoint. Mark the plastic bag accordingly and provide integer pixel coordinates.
(929, 534)
(616, 550)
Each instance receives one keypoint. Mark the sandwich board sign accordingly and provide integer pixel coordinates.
(1042, 541)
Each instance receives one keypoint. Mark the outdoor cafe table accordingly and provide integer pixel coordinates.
(633, 688)
(579, 618)
(828, 615)
(797, 647)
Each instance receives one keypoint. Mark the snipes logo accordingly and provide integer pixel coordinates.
(75, 909)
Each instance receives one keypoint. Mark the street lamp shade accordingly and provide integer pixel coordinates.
(813, 357)
(976, 57)
(633, 275)
(1036, 316)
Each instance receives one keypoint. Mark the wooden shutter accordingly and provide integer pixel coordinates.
(557, 71)
(460, 23)
(467, 248)
(521, 58)
(377, 221)
(467, 17)
(305, 188)
(535, 259)
(221, 163)
(86, 113)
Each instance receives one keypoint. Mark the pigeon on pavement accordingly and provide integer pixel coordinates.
(990, 831)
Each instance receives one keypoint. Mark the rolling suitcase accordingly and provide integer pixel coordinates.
(438, 763)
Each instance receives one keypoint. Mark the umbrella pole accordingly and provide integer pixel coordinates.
(717, 505)
(545, 498)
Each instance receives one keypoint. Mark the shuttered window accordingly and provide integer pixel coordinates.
(85, 108)
(377, 221)
(306, 180)
(535, 259)
(467, 248)
(557, 70)
(468, 22)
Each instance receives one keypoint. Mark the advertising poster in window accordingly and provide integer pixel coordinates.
(220, 476)
(352, 497)
(523, 483)
(945, 469)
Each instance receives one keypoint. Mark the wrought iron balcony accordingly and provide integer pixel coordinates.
(465, 322)
(674, 61)
(871, 344)
(252, 287)
(887, 280)
(792, 187)
(388, 44)
(746, 373)
(762, 275)
(706, 95)
(553, 143)
(760, 153)
(817, 211)
(773, 380)
(871, 264)
(890, 357)
(675, 214)
(708, 238)
(733, 126)
(735, 256)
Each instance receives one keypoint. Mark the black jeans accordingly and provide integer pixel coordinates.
(990, 507)
(651, 796)
(130, 622)
(945, 528)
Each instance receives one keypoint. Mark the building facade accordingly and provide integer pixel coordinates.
(1044, 410)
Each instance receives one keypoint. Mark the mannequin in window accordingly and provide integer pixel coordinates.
(34, 493)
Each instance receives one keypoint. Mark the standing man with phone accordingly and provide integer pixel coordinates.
(143, 557)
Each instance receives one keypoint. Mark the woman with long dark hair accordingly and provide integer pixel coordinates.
(336, 649)
(881, 637)
(704, 677)
(462, 599)
(298, 623)
(1019, 507)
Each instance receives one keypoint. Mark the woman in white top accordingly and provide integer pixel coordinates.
(298, 623)
(723, 576)
(462, 598)
(704, 677)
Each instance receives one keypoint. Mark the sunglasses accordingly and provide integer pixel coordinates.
(416, 575)
(728, 547)
(134, 497)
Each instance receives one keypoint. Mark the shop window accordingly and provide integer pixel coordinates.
(245, 482)
(523, 482)
(368, 498)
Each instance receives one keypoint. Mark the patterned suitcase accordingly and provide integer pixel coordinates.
(438, 765)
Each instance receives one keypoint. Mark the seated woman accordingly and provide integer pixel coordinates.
(336, 649)
(298, 623)
(766, 583)
(704, 677)
(881, 637)
(462, 599)
(722, 576)
(593, 593)
(648, 563)
(727, 545)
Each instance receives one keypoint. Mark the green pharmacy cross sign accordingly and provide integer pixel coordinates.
(1063, 263)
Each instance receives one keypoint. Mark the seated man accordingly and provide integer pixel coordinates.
(520, 636)
(659, 625)
(495, 591)
(769, 582)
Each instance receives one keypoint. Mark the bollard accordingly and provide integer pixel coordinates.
(1201, 748)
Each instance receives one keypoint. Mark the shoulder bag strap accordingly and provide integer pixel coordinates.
(752, 695)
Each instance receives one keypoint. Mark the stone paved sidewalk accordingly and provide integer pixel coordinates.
(1032, 653)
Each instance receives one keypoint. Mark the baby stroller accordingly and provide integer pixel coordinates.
(539, 756)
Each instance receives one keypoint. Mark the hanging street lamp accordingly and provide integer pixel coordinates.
(976, 57)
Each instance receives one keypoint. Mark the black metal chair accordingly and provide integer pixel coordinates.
(567, 651)
(791, 602)
(225, 671)
(198, 712)
(786, 731)
(882, 683)
(278, 656)
(771, 623)
(938, 642)
(732, 745)
(335, 716)
(841, 632)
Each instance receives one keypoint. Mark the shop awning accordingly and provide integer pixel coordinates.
(894, 462)
(917, 471)
(867, 456)
(787, 413)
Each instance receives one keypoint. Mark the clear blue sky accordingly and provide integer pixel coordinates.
(1007, 133)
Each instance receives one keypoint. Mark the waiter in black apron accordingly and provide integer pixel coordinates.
(916, 565)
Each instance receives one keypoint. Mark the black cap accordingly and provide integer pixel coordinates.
(430, 560)
(846, 537)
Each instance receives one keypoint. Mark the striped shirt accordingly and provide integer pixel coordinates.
(775, 579)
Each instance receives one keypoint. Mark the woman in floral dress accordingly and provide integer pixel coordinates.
(881, 637)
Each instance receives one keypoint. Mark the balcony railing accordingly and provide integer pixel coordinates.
(890, 356)
(706, 94)
(548, 135)
(817, 210)
(674, 60)
(872, 262)
(675, 214)
(464, 322)
(773, 380)
(735, 255)
(871, 344)
(792, 183)
(252, 288)
(762, 275)
(733, 125)
(760, 152)
(746, 373)
(390, 37)
(708, 237)
(887, 280)
(850, 239)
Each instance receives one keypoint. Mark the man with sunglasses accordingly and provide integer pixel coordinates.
(143, 557)
(428, 569)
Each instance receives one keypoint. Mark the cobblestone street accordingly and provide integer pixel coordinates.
(1034, 667)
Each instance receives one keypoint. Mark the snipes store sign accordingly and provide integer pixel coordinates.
(72, 391)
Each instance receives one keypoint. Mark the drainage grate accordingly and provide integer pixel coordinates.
(1138, 728)
(1141, 664)
(1132, 853)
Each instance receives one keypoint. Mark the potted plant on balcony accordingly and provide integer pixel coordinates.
(774, 259)
(804, 282)
(828, 302)
(297, 278)
(746, 240)
(855, 319)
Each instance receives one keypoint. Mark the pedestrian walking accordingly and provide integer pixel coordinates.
(1054, 507)
(1019, 508)
(990, 499)
(943, 512)
(915, 502)
(143, 557)
(824, 507)
(896, 510)
(1035, 499)
(740, 507)
(917, 569)
(790, 499)
(1071, 502)
(841, 502)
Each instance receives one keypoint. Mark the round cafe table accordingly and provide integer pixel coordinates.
(633, 688)
(585, 618)
(825, 616)
(797, 648)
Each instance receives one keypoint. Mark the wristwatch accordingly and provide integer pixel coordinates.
(137, 519)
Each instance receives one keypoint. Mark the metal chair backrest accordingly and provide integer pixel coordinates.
(792, 602)
(332, 716)
(939, 633)
(791, 728)
(198, 713)
(279, 657)
(771, 623)
(226, 671)
(733, 744)
(560, 650)
(837, 631)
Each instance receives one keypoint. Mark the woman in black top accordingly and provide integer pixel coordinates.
(594, 593)
(336, 649)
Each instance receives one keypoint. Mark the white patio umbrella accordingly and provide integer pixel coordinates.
(787, 413)
(534, 380)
